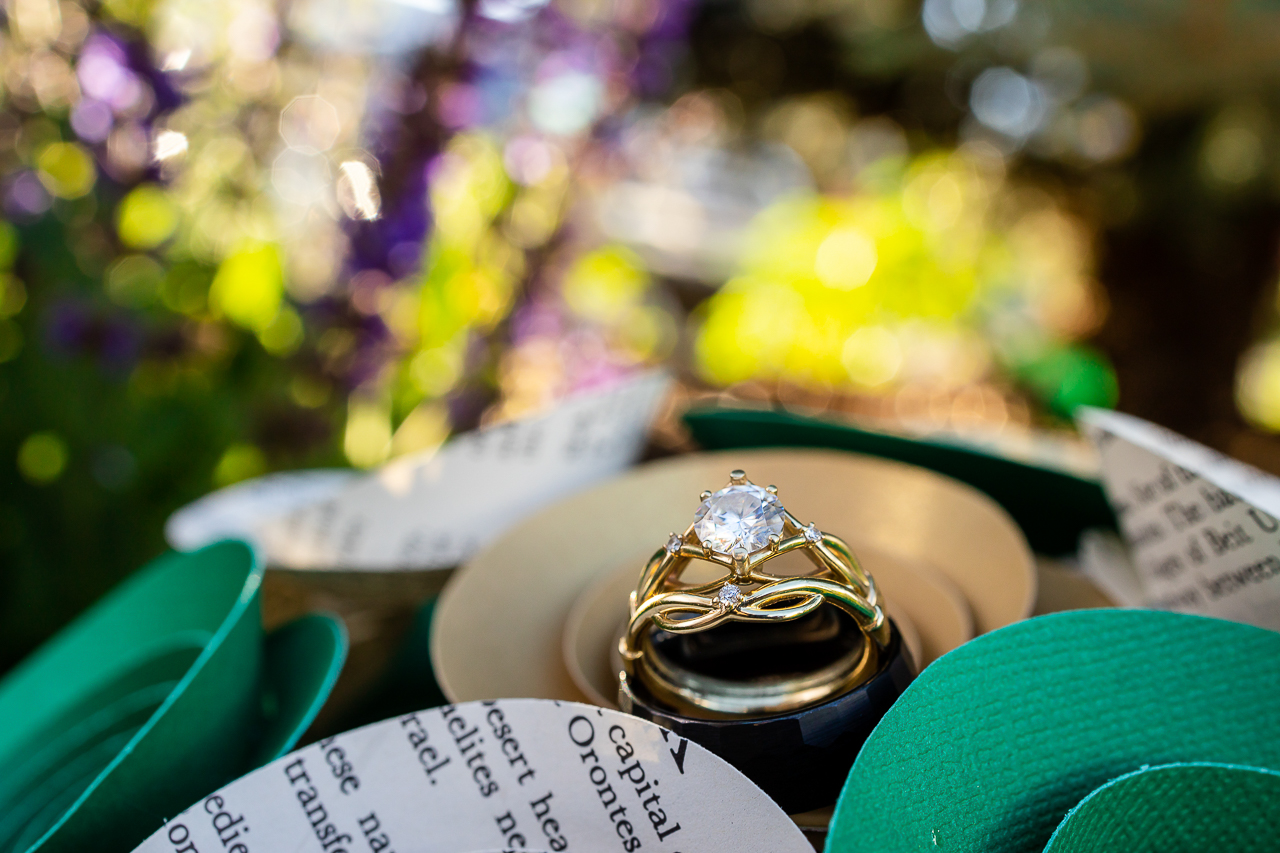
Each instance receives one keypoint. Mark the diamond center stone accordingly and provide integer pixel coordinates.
(741, 516)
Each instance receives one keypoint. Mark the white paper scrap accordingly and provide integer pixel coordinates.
(435, 510)
(236, 511)
(512, 774)
(1202, 528)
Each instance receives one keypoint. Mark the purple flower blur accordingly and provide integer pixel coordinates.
(74, 328)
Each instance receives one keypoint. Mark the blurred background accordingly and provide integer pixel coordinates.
(246, 236)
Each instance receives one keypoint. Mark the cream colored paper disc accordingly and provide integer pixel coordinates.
(500, 623)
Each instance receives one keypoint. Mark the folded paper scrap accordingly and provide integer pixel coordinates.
(511, 774)
(432, 509)
(1203, 530)
(236, 511)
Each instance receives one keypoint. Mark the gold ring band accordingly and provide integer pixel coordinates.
(741, 528)
(715, 697)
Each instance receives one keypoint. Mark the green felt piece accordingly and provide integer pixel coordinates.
(995, 741)
(124, 704)
(157, 695)
(1052, 508)
(187, 625)
(1177, 808)
(303, 661)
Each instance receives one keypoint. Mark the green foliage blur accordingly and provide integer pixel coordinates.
(94, 455)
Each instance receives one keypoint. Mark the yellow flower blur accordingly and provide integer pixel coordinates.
(66, 170)
(863, 291)
(249, 286)
(146, 217)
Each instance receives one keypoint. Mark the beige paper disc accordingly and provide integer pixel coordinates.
(499, 624)
(927, 608)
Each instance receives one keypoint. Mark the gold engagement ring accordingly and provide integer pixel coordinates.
(738, 530)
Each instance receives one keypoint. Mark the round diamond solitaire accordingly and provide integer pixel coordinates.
(741, 516)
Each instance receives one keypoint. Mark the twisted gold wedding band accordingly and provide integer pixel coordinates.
(741, 528)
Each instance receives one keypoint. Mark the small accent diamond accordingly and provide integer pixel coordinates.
(812, 533)
(673, 544)
(729, 595)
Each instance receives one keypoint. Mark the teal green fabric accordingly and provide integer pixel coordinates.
(151, 699)
(1177, 808)
(997, 740)
(1052, 508)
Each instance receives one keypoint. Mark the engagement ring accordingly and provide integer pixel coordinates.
(738, 530)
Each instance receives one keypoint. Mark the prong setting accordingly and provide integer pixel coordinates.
(740, 515)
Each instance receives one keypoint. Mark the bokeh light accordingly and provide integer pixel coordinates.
(859, 291)
(42, 457)
(260, 237)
